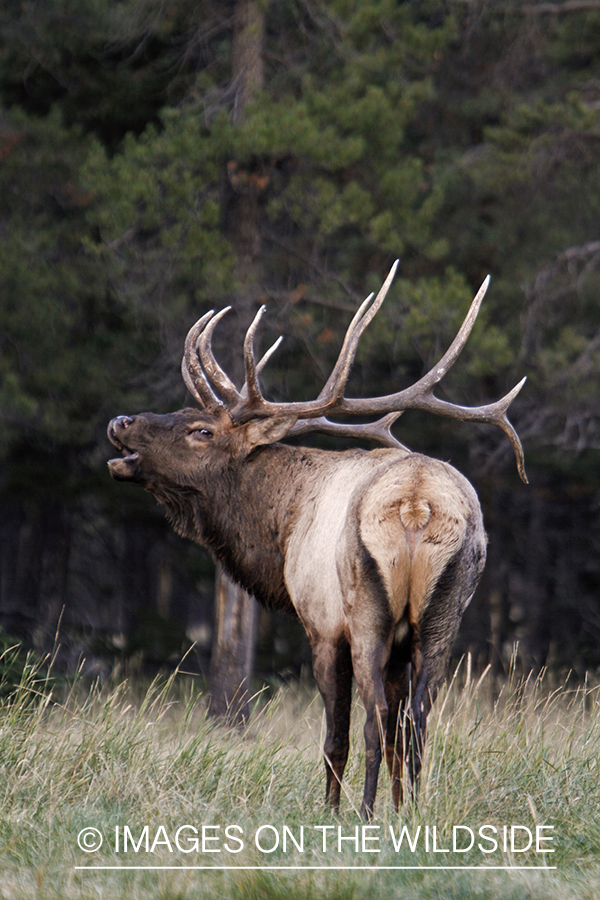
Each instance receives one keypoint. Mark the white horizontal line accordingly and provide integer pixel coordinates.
(312, 868)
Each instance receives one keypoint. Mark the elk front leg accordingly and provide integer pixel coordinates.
(332, 668)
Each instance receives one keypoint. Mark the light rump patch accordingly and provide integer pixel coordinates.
(412, 520)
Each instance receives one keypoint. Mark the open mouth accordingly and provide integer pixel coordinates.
(123, 467)
(126, 451)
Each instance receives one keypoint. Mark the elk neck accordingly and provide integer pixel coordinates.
(244, 512)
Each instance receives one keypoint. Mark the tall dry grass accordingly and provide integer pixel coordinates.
(148, 759)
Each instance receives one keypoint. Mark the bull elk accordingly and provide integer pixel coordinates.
(377, 552)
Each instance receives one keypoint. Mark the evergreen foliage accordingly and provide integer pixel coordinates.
(463, 137)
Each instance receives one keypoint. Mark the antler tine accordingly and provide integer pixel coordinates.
(255, 400)
(379, 431)
(455, 348)
(334, 387)
(267, 356)
(495, 414)
(193, 374)
(264, 360)
(509, 430)
(213, 370)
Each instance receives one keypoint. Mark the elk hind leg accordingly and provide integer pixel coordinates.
(370, 663)
(416, 718)
(332, 668)
(397, 690)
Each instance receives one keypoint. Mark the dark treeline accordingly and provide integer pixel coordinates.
(142, 182)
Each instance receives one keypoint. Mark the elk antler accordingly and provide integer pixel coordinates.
(210, 385)
(197, 380)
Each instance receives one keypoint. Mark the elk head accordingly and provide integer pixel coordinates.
(174, 447)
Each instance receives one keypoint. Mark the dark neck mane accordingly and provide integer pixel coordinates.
(239, 514)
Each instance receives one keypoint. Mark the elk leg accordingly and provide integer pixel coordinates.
(332, 668)
(417, 718)
(370, 662)
(396, 693)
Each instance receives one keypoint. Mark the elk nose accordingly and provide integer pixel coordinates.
(124, 421)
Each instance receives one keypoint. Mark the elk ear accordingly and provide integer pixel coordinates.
(268, 431)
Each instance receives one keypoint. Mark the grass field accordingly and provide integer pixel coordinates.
(163, 786)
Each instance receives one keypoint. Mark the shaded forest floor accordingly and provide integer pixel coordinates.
(143, 771)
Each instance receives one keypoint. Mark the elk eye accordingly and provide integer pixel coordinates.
(203, 433)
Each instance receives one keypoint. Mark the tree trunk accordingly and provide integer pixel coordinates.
(236, 613)
(56, 523)
(232, 660)
(247, 63)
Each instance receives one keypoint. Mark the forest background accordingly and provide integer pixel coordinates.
(158, 159)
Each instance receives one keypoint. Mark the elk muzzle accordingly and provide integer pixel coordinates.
(123, 468)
